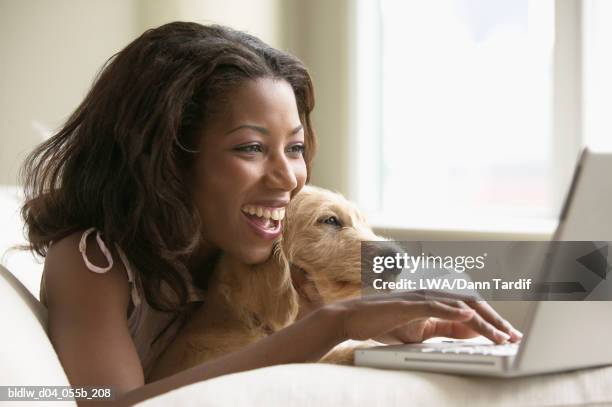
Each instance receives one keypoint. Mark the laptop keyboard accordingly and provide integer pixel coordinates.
(509, 349)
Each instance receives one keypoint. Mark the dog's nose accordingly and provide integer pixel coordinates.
(383, 249)
(391, 249)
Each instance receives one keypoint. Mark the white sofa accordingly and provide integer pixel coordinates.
(27, 358)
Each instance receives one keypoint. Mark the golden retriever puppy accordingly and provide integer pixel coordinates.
(319, 254)
(243, 304)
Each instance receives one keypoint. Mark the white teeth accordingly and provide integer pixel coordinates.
(266, 213)
(278, 214)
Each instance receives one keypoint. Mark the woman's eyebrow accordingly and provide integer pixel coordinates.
(263, 130)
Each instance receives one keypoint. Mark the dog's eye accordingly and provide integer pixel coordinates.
(332, 220)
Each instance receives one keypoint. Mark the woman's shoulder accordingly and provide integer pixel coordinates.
(87, 316)
(68, 274)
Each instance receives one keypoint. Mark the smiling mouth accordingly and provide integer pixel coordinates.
(266, 218)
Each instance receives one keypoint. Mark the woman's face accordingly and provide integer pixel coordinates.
(250, 162)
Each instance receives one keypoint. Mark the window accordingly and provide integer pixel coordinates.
(596, 74)
(462, 111)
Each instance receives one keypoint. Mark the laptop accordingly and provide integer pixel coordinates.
(559, 335)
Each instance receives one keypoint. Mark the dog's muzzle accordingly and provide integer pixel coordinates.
(370, 250)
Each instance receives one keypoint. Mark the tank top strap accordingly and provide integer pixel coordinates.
(103, 248)
(131, 275)
(83, 248)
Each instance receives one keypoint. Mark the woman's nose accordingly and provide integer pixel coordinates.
(280, 173)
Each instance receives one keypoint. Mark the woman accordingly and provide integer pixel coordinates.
(133, 199)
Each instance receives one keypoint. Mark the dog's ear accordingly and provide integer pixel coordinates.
(286, 308)
(304, 286)
(269, 292)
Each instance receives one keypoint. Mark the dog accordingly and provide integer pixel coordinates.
(316, 261)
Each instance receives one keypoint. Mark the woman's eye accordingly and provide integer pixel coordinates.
(296, 149)
(332, 220)
(251, 148)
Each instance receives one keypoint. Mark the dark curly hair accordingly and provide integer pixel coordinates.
(121, 162)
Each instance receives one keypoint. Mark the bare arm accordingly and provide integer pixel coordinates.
(88, 318)
(307, 340)
(312, 337)
(88, 328)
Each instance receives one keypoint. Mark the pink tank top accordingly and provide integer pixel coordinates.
(151, 330)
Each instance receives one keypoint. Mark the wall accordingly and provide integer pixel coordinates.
(261, 17)
(50, 52)
(317, 31)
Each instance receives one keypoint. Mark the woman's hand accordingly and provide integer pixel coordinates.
(410, 317)
(485, 321)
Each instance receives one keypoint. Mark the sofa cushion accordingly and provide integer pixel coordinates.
(333, 385)
(27, 356)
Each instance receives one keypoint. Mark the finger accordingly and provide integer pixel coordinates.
(449, 329)
(446, 295)
(486, 329)
(419, 314)
(385, 316)
(426, 309)
(419, 295)
(490, 315)
(482, 325)
(411, 332)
